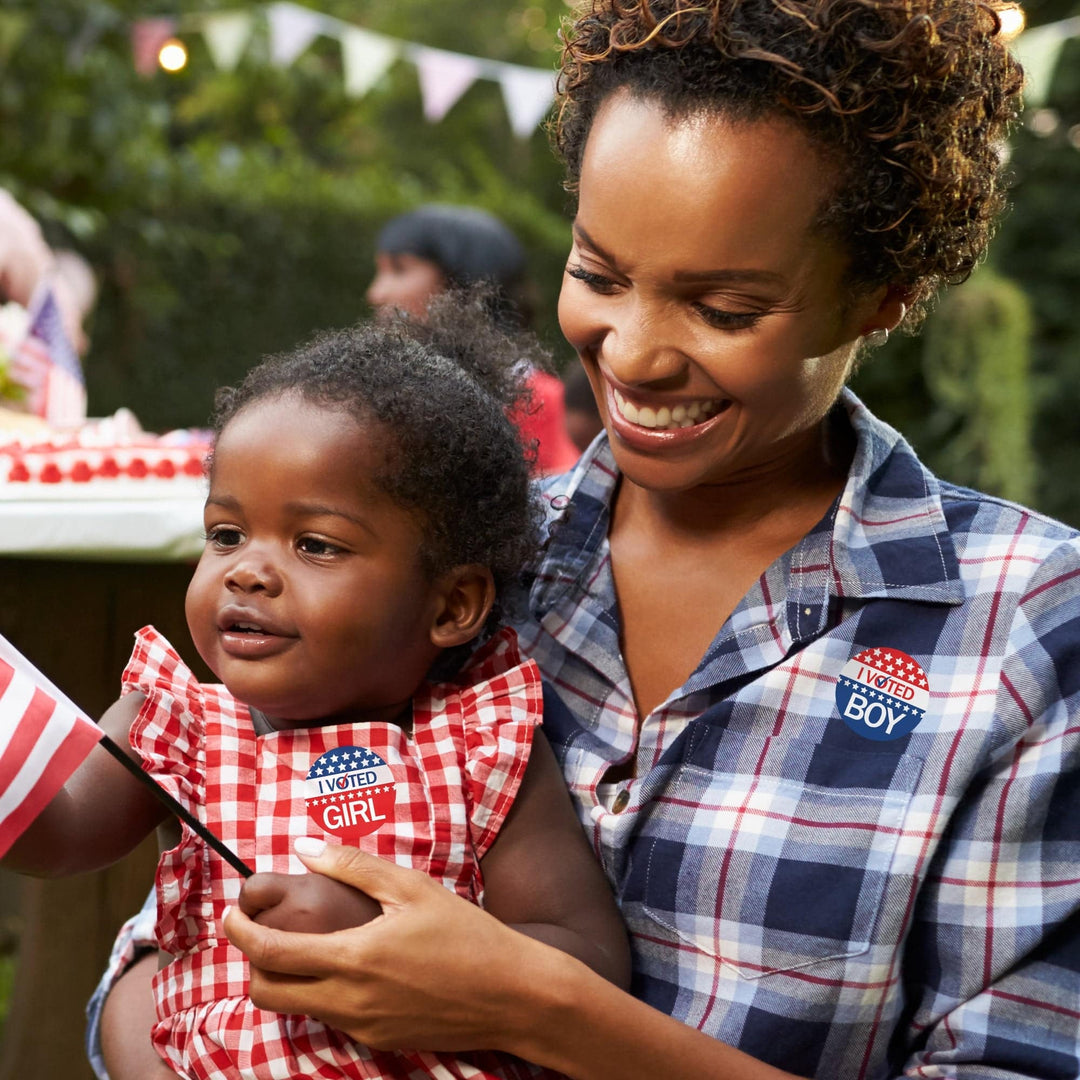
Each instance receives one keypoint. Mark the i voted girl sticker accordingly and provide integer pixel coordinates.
(882, 694)
(349, 792)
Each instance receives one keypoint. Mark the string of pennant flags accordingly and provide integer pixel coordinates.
(444, 76)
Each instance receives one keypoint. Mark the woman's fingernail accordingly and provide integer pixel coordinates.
(309, 845)
(225, 913)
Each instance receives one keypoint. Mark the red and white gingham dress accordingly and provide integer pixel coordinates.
(455, 778)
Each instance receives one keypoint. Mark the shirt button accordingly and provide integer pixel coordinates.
(622, 801)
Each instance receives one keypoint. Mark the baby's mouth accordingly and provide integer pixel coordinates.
(665, 418)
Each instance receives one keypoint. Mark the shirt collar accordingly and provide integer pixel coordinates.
(886, 536)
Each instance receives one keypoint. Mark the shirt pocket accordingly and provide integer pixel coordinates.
(781, 868)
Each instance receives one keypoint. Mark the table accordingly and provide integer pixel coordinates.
(83, 564)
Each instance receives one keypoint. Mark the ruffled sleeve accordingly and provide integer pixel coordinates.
(168, 732)
(502, 705)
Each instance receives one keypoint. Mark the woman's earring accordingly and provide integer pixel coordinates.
(876, 337)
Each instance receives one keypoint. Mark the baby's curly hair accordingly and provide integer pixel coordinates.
(909, 99)
(441, 394)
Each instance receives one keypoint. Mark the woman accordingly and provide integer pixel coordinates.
(818, 709)
(424, 252)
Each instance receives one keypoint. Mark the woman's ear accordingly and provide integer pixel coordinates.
(891, 308)
(464, 598)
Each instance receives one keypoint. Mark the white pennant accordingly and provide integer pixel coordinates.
(227, 34)
(528, 93)
(444, 77)
(364, 59)
(292, 30)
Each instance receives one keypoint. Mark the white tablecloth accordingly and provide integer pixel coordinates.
(160, 521)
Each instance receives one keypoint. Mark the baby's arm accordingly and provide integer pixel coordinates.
(308, 903)
(97, 817)
(542, 878)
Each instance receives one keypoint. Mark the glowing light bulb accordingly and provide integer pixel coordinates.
(1012, 19)
(172, 56)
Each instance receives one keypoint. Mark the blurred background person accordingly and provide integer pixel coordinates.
(421, 253)
(583, 421)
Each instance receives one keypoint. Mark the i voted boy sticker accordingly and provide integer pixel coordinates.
(882, 694)
(349, 792)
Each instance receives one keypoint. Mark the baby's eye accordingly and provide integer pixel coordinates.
(224, 537)
(312, 545)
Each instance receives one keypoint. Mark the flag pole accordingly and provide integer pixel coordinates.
(176, 808)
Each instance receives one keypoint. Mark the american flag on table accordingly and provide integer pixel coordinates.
(43, 740)
(45, 362)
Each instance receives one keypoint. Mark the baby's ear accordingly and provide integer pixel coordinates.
(464, 598)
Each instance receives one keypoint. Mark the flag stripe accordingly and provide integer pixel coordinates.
(64, 760)
(42, 741)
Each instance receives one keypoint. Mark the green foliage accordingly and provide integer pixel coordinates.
(232, 214)
(977, 354)
(1039, 247)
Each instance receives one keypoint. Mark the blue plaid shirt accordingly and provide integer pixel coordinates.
(852, 844)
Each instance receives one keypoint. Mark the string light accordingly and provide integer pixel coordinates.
(172, 56)
(1012, 19)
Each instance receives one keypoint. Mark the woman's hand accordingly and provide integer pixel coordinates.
(432, 972)
(307, 903)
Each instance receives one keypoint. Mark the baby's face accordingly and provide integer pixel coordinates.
(309, 602)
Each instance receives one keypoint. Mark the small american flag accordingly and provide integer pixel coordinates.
(45, 362)
(43, 740)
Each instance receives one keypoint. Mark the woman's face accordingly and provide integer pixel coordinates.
(710, 314)
(404, 282)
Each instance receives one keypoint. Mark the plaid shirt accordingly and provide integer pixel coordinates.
(852, 844)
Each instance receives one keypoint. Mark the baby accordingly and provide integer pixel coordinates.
(368, 515)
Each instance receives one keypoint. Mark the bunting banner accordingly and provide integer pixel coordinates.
(365, 58)
(527, 94)
(147, 37)
(292, 30)
(444, 76)
(227, 34)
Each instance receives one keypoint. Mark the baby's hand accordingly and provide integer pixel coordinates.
(309, 903)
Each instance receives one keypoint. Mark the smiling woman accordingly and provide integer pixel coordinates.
(818, 711)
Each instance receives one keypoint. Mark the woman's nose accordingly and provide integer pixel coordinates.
(642, 345)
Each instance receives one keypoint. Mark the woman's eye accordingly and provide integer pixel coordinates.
(312, 545)
(223, 537)
(596, 282)
(728, 320)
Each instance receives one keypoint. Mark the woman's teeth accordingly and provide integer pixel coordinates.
(665, 419)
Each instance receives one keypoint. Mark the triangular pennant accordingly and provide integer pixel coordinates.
(364, 59)
(528, 93)
(292, 30)
(13, 26)
(147, 37)
(444, 77)
(1038, 51)
(227, 34)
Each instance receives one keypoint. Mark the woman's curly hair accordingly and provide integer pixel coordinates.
(909, 99)
(441, 395)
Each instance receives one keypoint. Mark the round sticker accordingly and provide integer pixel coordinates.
(349, 792)
(882, 694)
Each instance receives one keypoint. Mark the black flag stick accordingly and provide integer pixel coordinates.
(183, 814)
